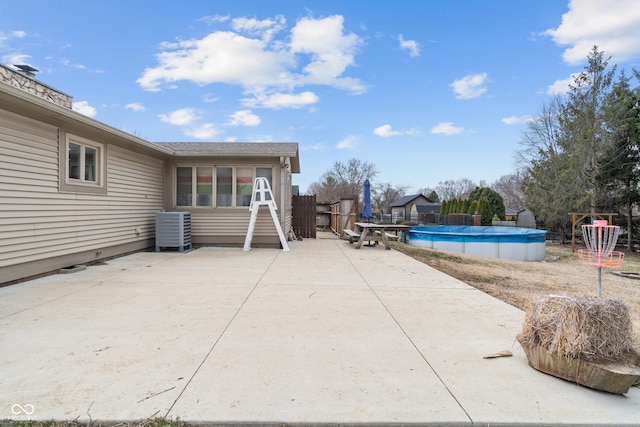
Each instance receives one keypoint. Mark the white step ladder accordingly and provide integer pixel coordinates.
(262, 196)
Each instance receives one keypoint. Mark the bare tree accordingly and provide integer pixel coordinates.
(426, 191)
(384, 194)
(325, 190)
(458, 189)
(508, 186)
(343, 180)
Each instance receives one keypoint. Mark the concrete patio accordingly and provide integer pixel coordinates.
(324, 334)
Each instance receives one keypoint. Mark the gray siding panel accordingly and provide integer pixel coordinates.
(37, 221)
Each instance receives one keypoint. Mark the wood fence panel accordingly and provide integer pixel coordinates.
(304, 216)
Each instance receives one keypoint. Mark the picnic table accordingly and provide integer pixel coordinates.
(368, 231)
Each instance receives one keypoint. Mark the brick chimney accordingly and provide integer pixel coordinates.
(23, 77)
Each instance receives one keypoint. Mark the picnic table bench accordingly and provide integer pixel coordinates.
(369, 232)
(353, 236)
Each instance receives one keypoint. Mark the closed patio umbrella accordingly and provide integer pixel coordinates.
(366, 210)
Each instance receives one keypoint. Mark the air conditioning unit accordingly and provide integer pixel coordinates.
(173, 231)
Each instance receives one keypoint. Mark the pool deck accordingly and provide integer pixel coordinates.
(322, 335)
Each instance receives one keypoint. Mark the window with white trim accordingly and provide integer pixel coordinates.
(83, 161)
(83, 165)
(217, 186)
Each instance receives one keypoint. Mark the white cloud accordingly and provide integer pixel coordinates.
(213, 19)
(220, 57)
(515, 120)
(411, 45)
(243, 118)
(15, 58)
(281, 100)
(135, 106)
(470, 86)
(83, 107)
(348, 142)
(314, 147)
(209, 98)
(265, 28)
(614, 26)
(446, 128)
(331, 52)
(181, 117)
(386, 131)
(561, 87)
(12, 35)
(317, 51)
(67, 63)
(205, 131)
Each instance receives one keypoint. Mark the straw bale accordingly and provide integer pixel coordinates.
(582, 327)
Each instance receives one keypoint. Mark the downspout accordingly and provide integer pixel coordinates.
(283, 179)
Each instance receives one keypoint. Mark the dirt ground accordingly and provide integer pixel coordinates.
(518, 282)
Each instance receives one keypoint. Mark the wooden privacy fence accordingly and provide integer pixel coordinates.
(304, 216)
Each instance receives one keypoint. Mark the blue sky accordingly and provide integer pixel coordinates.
(426, 90)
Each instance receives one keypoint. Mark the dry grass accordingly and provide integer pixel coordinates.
(584, 327)
(519, 283)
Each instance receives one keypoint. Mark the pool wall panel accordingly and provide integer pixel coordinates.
(521, 244)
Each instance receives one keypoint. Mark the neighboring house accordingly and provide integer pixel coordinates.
(74, 190)
(510, 214)
(408, 208)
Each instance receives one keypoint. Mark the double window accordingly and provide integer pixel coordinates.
(82, 164)
(219, 186)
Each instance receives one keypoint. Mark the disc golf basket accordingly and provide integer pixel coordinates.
(600, 240)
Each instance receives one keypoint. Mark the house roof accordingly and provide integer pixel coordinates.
(405, 200)
(236, 149)
(429, 208)
(510, 212)
(18, 101)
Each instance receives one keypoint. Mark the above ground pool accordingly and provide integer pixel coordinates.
(522, 244)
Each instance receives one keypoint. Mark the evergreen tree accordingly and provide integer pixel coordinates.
(473, 207)
(484, 209)
(433, 196)
(567, 147)
(620, 175)
(444, 208)
(584, 135)
(495, 200)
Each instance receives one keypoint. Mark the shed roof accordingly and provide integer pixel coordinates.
(405, 200)
(429, 208)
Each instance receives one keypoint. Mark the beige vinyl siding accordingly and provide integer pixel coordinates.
(37, 221)
(226, 225)
(231, 222)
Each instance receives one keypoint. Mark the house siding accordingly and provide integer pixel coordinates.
(39, 222)
(228, 225)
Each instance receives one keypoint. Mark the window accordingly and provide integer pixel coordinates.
(184, 186)
(244, 186)
(82, 165)
(224, 186)
(204, 186)
(265, 173)
(220, 186)
(82, 162)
